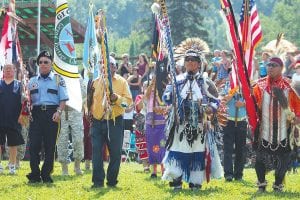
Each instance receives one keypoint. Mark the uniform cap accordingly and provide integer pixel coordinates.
(44, 54)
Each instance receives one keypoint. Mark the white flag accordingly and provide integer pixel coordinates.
(65, 62)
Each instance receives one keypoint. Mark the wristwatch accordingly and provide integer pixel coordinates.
(59, 111)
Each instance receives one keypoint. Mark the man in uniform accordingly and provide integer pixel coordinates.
(48, 95)
(71, 122)
(107, 126)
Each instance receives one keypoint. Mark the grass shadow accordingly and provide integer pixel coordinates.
(87, 171)
(140, 172)
(204, 192)
(57, 178)
(100, 192)
(148, 178)
(277, 195)
(40, 185)
(242, 183)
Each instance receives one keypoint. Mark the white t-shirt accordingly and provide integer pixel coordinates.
(128, 115)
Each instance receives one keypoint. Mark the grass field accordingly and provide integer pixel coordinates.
(135, 184)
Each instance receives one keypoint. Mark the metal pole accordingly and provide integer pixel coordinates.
(38, 37)
(39, 28)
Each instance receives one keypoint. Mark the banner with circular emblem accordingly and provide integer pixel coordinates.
(65, 62)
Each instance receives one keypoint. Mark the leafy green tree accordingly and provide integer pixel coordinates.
(186, 19)
(284, 19)
(132, 49)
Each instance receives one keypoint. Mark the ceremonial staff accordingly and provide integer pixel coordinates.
(169, 45)
(26, 103)
(106, 73)
(102, 31)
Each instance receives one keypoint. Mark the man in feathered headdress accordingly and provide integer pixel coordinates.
(190, 147)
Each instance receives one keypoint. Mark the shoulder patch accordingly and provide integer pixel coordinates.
(62, 82)
(33, 83)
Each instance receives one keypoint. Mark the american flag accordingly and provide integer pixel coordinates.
(250, 32)
(238, 63)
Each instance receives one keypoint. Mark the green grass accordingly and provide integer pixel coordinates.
(134, 184)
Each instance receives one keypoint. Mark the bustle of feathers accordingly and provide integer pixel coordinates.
(279, 47)
(279, 38)
(194, 43)
(211, 89)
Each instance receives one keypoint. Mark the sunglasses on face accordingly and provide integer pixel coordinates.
(44, 62)
(192, 59)
(273, 65)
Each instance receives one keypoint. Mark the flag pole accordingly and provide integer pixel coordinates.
(39, 29)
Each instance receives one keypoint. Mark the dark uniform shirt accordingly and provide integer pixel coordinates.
(10, 104)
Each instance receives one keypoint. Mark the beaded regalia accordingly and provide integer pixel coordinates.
(192, 154)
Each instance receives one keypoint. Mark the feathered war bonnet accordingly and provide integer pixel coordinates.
(193, 53)
(192, 47)
(279, 47)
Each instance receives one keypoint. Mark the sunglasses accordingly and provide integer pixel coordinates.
(44, 62)
(273, 65)
(193, 59)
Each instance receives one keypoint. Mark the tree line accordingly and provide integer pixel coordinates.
(130, 23)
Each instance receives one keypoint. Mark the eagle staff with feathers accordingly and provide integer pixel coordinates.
(193, 101)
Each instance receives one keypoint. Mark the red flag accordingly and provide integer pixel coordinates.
(250, 31)
(233, 75)
(5, 40)
(9, 47)
(241, 69)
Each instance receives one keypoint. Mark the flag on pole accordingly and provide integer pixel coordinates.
(241, 69)
(91, 53)
(250, 32)
(155, 38)
(6, 42)
(65, 62)
(9, 46)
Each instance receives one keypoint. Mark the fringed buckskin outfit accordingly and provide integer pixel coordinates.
(273, 149)
(191, 150)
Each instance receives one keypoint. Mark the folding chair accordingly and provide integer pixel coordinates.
(129, 145)
(126, 144)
